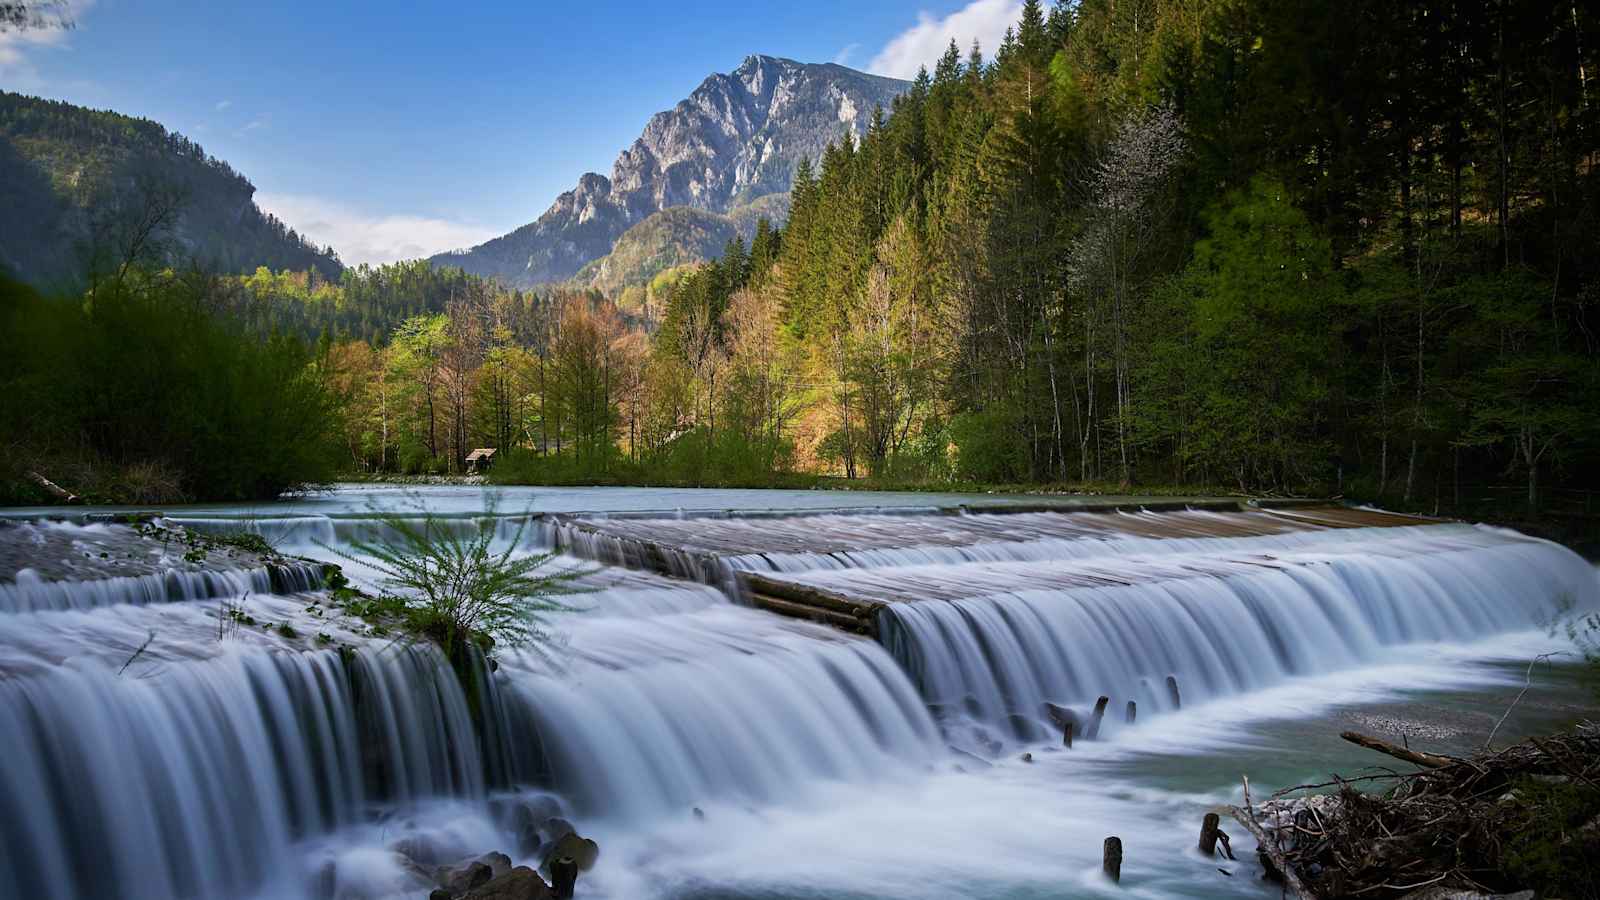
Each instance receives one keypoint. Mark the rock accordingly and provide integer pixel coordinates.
(441, 894)
(699, 813)
(521, 883)
(524, 817)
(551, 830)
(582, 850)
(461, 878)
(1027, 757)
(419, 850)
(498, 862)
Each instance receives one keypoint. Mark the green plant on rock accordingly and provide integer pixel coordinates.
(460, 587)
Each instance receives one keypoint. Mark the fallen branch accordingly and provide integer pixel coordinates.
(55, 490)
(1426, 760)
(1527, 683)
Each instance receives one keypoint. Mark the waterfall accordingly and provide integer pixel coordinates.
(668, 697)
(1221, 627)
(194, 782)
(152, 746)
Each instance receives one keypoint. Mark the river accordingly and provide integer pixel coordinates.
(718, 751)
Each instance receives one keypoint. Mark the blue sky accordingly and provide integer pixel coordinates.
(392, 129)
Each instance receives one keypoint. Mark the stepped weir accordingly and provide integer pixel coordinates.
(176, 727)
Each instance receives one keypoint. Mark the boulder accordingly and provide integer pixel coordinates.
(521, 883)
(459, 879)
(551, 830)
(582, 850)
(523, 817)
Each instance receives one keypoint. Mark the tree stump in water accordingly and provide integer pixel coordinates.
(1093, 731)
(1208, 834)
(1133, 711)
(564, 877)
(1172, 692)
(1111, 858)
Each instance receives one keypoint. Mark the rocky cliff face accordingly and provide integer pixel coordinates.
(737, 138)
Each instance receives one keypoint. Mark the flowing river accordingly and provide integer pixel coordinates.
(152, 746)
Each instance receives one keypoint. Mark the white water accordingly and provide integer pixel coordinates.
(232, 763)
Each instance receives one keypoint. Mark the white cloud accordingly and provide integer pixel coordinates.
(364, 238)
(223, 104)
(16, 71)
(842, 58)
(923, 43)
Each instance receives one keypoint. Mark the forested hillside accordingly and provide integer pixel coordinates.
(1267, 246)
(75, 182)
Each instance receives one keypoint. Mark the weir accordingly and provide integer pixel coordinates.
(157, 747)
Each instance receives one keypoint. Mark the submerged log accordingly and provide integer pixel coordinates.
(1111, 858)
(1172, 692)
(1425, 760)
(1093, 731)
(806, 611)
(1271, 857)
(1208, 834)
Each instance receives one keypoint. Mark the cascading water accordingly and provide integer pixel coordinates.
(193, 781)
(1222, 616)
(154, 746)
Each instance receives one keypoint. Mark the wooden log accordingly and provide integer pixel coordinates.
(803, 611)
(1172, 692)
(1425, 760)
(807, 595)
(564, 877)
(1133, 711)
(1111, 858)
(1270, 853)
(53, 489)
(1208, 834)
(1093, 731)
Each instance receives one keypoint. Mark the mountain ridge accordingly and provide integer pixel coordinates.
(735, 139)
(65, 168)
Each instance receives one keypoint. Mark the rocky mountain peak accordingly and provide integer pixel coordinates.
(735, 138)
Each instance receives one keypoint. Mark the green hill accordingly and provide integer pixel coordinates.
(71, 178)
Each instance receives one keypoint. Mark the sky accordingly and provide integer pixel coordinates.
(393, 130)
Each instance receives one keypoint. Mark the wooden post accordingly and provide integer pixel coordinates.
(1172, 692)
(1111, 858)
(564, 877)
(1093, 731)
(1133, 711)
(1208, 834)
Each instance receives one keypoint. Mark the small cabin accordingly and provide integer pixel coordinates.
(480, 459)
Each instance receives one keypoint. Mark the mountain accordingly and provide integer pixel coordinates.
(676, 236)
(733, 142)
(68, 173)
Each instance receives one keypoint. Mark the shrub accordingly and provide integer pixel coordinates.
(454, 587)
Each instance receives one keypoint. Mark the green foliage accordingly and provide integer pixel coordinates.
(454, 587)
(145, 378)
(987, 449)
(1553, 848)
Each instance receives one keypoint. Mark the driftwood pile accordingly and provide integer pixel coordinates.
(1526, 817)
